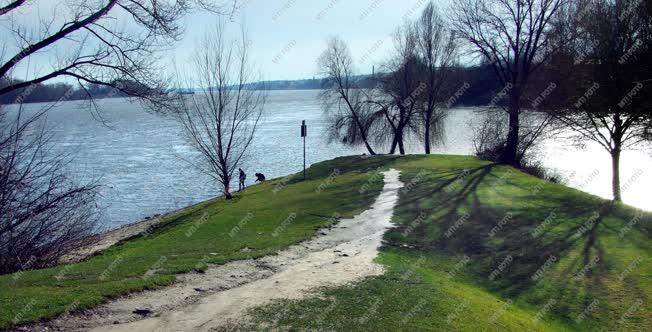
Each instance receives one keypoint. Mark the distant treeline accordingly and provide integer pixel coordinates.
(39, 93)
(477, 87)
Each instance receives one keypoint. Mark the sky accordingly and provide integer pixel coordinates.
(287, 36)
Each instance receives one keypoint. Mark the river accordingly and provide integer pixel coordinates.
(137, 155)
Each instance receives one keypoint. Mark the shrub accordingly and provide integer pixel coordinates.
(43, 214)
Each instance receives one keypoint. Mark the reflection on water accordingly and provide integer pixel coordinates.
(138, 158)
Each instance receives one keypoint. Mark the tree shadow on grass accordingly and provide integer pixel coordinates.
(512, 236)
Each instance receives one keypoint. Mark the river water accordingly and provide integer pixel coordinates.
(138, 156)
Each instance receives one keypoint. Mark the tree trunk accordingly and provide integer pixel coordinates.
(394, 144)
(364, 136)
(426, 135)
(227, 189)
(369, 149)
(615, 156)
(357, 122)
(511, 148)
(615, 166)
(401, 147)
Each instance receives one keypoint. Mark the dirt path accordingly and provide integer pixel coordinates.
(222, 295)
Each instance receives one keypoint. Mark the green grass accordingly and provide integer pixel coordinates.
(443, 259)
(214, 232)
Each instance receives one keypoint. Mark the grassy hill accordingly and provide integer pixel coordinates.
(486, 247)
(214, 232)
(477, 247)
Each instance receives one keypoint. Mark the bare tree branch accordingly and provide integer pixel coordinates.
(11, 6)
(43, 213)
(97, 50)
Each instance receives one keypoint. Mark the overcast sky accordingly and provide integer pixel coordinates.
(289, 35)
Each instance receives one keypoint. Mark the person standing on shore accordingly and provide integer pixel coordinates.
(243, 177)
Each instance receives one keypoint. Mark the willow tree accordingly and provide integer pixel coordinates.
(342, 99)
(436, 46)
(403, 87)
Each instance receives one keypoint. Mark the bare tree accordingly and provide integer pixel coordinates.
(43, 213)
(108, 43)
(91, 46)
(607, 78)
(221, 120)
(513, 36)
(343, 100)
(437, 48)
